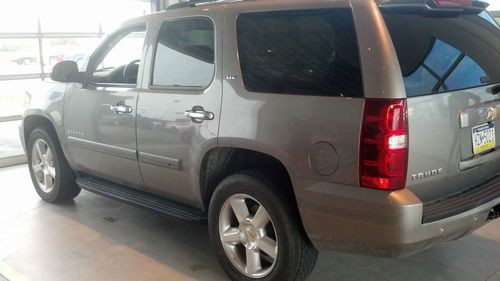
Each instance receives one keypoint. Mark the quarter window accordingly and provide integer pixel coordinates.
(305, 52)
(184, 54)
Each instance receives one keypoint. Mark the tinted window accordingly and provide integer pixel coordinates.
(445, 54)
(184, 54)
(309, 52)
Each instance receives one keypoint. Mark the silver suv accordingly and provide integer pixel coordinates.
(290, 126)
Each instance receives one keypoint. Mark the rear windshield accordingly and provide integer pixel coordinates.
(445, 54)
(302, 52)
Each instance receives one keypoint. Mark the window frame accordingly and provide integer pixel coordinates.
(103, 50)
(155, 46)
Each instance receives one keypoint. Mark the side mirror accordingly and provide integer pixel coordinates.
(66, 71)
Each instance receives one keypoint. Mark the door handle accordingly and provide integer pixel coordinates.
(121, 108)
(198, 114)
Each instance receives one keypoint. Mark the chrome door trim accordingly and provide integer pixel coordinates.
(103, 148)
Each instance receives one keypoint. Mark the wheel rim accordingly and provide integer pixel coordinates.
(43, 164)
(248, 236)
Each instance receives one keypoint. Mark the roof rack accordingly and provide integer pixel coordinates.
(196, 3)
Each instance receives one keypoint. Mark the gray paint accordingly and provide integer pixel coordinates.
(381, 70)
(161, 116)
(112, 134)
(129, 154)
(438, 142)
(336, 213)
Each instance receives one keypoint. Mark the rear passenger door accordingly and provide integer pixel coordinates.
(178, 110)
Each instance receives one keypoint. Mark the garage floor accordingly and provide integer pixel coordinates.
(94, 238)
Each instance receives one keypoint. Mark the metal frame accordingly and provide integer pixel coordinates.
(39, 35)
(10, 118)
(12, 160)
(155, 6)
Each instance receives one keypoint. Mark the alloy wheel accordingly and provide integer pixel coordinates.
(43, 164)
(248, 236)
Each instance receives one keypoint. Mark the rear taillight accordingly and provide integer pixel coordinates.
(384, 144)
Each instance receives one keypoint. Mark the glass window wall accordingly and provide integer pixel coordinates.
(35, 35)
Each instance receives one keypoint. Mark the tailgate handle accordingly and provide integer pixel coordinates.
(496, 90)
(477, 161)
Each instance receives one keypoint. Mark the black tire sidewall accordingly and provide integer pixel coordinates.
(282, 217)
(43, 133)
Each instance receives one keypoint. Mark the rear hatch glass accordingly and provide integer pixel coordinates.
(439, 55)
(451, 71)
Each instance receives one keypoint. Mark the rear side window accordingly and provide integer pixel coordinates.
(304, 52)
(445, 54)
(184, 54)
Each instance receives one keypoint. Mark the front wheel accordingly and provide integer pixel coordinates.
(52, 177)
(256, 230)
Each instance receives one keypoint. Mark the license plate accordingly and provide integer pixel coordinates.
(483, 137)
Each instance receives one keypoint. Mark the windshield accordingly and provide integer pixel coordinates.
(439, 55)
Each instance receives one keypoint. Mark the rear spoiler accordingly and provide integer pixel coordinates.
(434, 7)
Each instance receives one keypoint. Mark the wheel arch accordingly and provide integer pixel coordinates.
(36, 119)
(221, 162)
(33, 121)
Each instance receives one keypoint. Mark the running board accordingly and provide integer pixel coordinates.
(141, 199)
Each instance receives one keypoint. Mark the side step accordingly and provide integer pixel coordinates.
(141, 199)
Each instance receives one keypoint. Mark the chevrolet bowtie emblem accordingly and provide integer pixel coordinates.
(493, 113)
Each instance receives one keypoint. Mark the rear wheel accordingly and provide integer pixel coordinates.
(256, 231)
(52, 177)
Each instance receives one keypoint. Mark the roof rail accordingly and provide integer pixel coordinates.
(195, 3)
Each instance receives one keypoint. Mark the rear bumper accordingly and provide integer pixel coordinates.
(365, 221)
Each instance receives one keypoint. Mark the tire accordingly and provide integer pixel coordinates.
(52, 177)
(295, 256)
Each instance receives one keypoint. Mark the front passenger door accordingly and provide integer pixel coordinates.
(100, 117)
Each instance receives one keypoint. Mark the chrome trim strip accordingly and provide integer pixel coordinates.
(464, 165)
(103, 148)
(167, 162)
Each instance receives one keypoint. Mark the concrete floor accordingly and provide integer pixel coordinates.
(94, 238)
